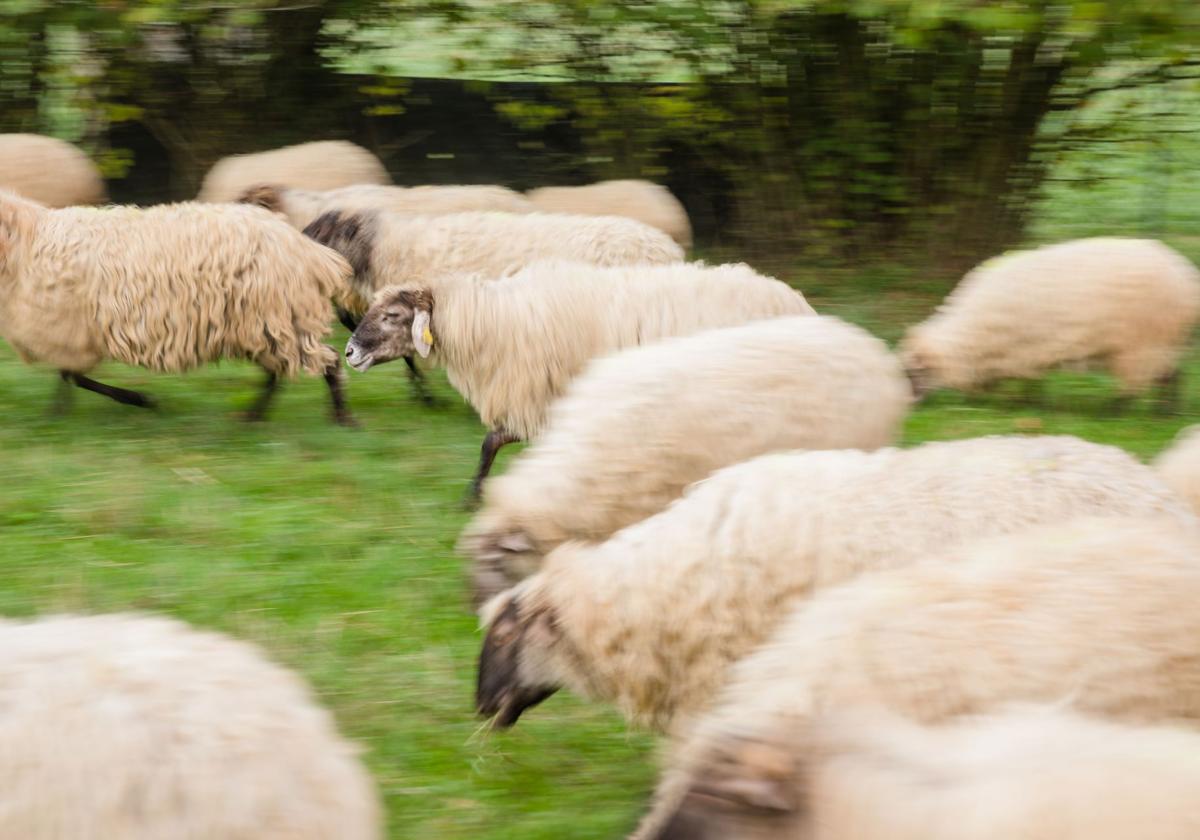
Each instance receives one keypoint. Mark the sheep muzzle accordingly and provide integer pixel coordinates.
(501, 693)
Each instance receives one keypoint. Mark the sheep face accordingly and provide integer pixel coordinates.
(397, 325)
(517, 662)
(921, 364)
(502, 558)
(267, 196)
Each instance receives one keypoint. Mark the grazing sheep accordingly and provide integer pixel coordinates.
(647, 202)
(142, 728)
(511, 347)
(324, 165)
(1097, 612)
(634, 429)
(1130, 303)
(387, 248)
(1021, 772)
(48, 171)
(303, 206)
(167, 288)
(652, 619)
(1179, 466)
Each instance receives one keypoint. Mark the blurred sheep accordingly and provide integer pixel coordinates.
(645, 201)
(1179, 466)
(323, 165)
(48, 171)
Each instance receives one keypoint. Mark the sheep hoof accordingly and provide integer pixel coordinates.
(346, 420)
(470, 501)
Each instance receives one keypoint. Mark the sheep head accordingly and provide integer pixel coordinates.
(921, 363)
(396, 325)
(502, 554)
(516, 662)
(267, 196)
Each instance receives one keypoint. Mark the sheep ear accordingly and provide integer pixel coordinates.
(422, 336)
(517, 542)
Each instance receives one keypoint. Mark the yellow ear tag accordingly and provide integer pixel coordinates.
(428, 336)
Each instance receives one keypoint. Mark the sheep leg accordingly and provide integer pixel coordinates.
(333, 378)
(63, 395)
(1169, 392)
(348, 320)
(418, 382)
(259, 410)
(492, 442)
(113, 393)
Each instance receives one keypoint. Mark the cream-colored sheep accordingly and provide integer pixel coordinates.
(48, 171)
(511, 347)
(323, 165)
(1129, 303)
(303, 206)
(1020, 772)
(636, 428)
(652, 619)
(1179, 466)
(1097, 612)
(642, 200)
(167, 288)
(142, 728)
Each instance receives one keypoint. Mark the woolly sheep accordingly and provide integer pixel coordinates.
(511, 347)
(1130, 303)
(388, 248)
(642, 200)
(1099, 612)
(323, 165)
(48, 171)
(167, 288)
(1179, 466)
(1022, 771)
(651, 619)
(303, 206)
(142, 728)
(637, 427)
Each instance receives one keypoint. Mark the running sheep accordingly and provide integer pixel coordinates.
(512, 347)
(1129, 303)
(1022, 771)
(638, 427)
(645, 201)
(652, 619)
(302, 207)
(323, 165)
(167, 288)
(1179, 466)
(387, 248)
(1099, 613)
(142, 728)
(48, 171)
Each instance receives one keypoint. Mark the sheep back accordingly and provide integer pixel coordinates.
(143, 728)
(49, 171)
(645, 201)
(322, 165)
(1128, 302)
(635, 428)
(169, 288)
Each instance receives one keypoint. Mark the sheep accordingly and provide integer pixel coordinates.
(143, 728)
(167, 288)
(511, 347)
(302, 207)
(1130, 303)
(48, 171)
(1022, 771)
(642, 200)
(387, 248)
(323, 165)
(1179, 466)
(1098, 612)
(652, 618)
(679, 410)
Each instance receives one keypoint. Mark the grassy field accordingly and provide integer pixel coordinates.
(333, 549)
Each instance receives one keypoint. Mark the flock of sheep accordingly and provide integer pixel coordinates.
(710, 529)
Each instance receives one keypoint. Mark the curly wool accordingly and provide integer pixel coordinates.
(635, 428)
(1097, 612)
(1020, 771)
(323, 165)
(142, 728)
(645, 201)
(1179, 466)
(1130, 303)
(48, 171)
(511, 347)
(167, 288)
(302, 207)
(652, 619)
(387, 248)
